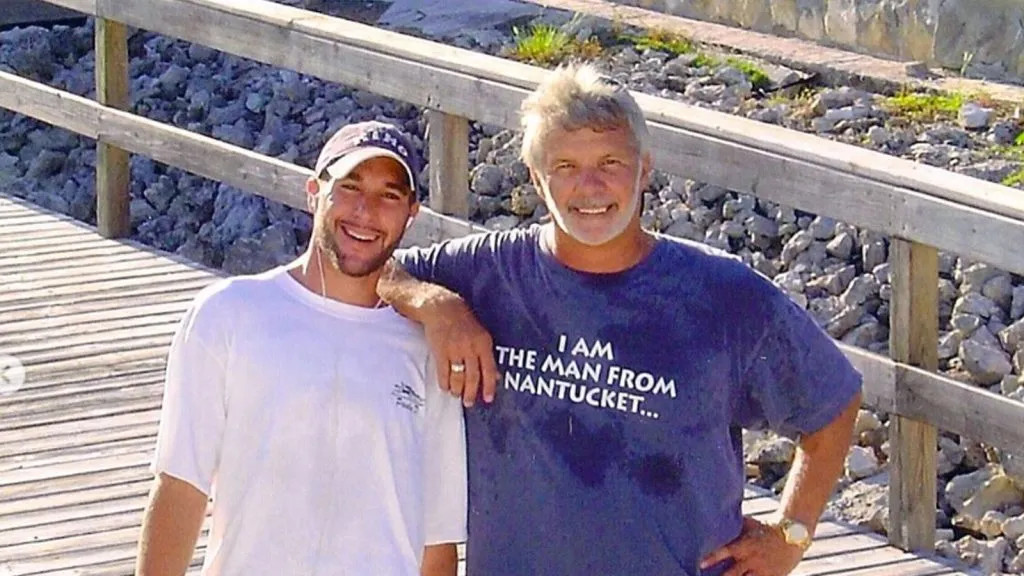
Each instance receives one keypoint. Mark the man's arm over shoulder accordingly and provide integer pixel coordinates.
(445, 480)
(192, 420)
(452, 263)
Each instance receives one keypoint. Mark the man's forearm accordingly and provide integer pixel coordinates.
(170, 528)
(818, 465)
(440, 560)
(410, 296)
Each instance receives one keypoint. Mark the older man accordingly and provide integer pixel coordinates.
(629, 364)
(306, 409)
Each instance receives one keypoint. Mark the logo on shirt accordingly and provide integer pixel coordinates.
(406, 397)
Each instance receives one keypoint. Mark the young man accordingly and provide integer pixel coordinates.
(306, 409)
(629, 365)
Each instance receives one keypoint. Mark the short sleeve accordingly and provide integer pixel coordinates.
(193, 412)
(446, 491)
(796, 379)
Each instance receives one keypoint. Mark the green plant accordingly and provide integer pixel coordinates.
(923, 106)
(758, 78)
(548, 44)
(660, 40)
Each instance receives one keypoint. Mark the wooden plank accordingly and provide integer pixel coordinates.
(43, 516)
(83, 6)
(58, 389)
(43, 281)
(10, 425)
(913, 340)
(113, 178)
(73, 264)
(119, 304)
(81, 553)
(103, 287)
(139, 418)
(50, 452)
(49, 508)
(962, 409)
(19, 256)
(96, 332)
(448, 138)
(162, 308)
(110, 398)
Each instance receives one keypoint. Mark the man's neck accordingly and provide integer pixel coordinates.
(621, 253)
(334, 285)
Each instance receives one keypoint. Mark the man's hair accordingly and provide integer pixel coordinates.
(578, 96)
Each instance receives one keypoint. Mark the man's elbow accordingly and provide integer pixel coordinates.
(839, 431)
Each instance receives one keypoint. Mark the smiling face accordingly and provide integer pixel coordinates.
(359, 223)
(592, 181)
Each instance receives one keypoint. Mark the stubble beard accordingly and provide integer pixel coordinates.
(324, 241)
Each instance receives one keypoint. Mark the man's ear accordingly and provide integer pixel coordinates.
(312, 189)
(647, 166)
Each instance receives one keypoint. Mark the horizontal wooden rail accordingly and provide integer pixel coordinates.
(208, 157)
(889, 386)
(966, 216)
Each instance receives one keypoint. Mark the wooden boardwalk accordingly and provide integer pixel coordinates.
(91, 320)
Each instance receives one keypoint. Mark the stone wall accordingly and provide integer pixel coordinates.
(984, 37)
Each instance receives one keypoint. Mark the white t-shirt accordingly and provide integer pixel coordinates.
(318, 429)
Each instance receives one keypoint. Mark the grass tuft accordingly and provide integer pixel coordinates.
(660, 40)
(547, 44)
(924, 107)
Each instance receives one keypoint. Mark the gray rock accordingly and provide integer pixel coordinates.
(950, 456)
(46, 164)
(976, 304)
(860, 290)
(994, 170)
(878, 135)
(797, 244)
(161, 193)
(841, 246)
(1017, 305)
(273, 247)
(974, 117)
(237, 134)
(873, 253)
(987, 365)
(861, 463)
(1010, 384)
(1012, 337)
(766, 448)
(761, 226)
(822, 228)
(486, 179)
(966, 324)
(1003, 132)
(845, 321)
(863, 503)
(1000, 290)
(790, 282)
(949, 344)
(867, 334)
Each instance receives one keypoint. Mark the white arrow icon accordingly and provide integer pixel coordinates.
(12, 375)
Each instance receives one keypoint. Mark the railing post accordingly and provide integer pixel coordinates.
(113, 219)
(448, 138)
(914, 325)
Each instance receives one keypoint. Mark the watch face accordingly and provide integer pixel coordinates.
(798, 532)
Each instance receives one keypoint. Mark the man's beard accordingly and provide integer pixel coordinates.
(324, 241)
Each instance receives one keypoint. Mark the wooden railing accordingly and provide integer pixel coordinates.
(923, 209)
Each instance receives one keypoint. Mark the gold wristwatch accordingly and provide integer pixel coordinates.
(795, 533)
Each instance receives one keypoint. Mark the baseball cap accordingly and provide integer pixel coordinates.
(356, 143)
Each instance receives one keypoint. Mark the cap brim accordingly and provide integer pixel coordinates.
(347, 163)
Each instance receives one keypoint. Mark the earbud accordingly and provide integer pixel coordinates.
(408, 223)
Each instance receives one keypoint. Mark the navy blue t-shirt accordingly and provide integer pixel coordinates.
(613, 445)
